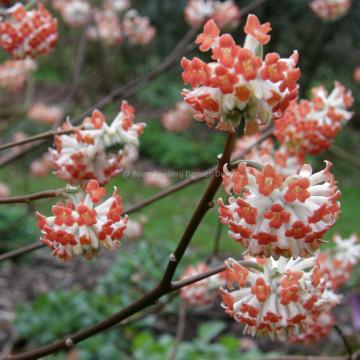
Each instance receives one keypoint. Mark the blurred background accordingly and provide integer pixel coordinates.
(43, 299)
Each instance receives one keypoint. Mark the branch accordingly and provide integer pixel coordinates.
(126, 90)
(32, 197)
(147, 300)
(165, 285)
(152, 199)
(344, 340)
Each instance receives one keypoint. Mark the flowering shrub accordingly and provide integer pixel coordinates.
(179, 119)
(86, 154)
(310, 126)
(28, 33)
(14, 74)
(112, 29)
(226, 14)
(276, 299)
(82, 225)
(45, 114)
(74, 12)
(203, 292)
(239, 83)
(330, 9)
(270, 214)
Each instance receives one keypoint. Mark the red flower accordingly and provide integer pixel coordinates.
(246, 211)
(63, 215)
(196, 72)
(291, 278)
(97, 119)
(268, 180)
(261, 290)
(65, 238)
(95, 191)
(277, 215)
(247, 65)
(299, 230)
(206, 39)
(87, 216)
(239, 275)
(264, 238)
(224, 80)
(226, 51)
(239, 178)
(289, 294)
(274, 68)
(258, 31)
(297, 190)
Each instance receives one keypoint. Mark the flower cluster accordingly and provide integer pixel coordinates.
(239, 82)
(4, 190)
(178, 119)
(203, 292)
(310, 126)
(278, 297)
(87, 153)
(338, 261)
(14, 74)
(271, 215)
(45, 114)
(226, 14)
(285, 162)
(137, 29)
(28, 33)
(82, 225)
(112, 29)
(330, 9)
(74, 12)
(336, 264)
(42, 166)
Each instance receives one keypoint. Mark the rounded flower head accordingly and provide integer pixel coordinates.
(106, 28)
(82, 225)
(4, 190)
(45, 114)
(277, 298)
(74, 12)
(270, 214)
(203, 292)
(226, 14)
(137, 29)
(330, 9)
(310, 126)
(28, 33)
(239, 82)
(87, 154)
(337, 262)
(179, 119)
(14, 74)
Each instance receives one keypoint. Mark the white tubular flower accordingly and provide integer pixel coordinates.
(82, 225)
(86, 154)
(272, 215)
(276, 300)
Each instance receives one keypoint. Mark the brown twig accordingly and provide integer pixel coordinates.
(149, 299)
(344, 340)
(165, 285)
(180, 329)
(32, 197)
(128, 89)
(152, 199)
